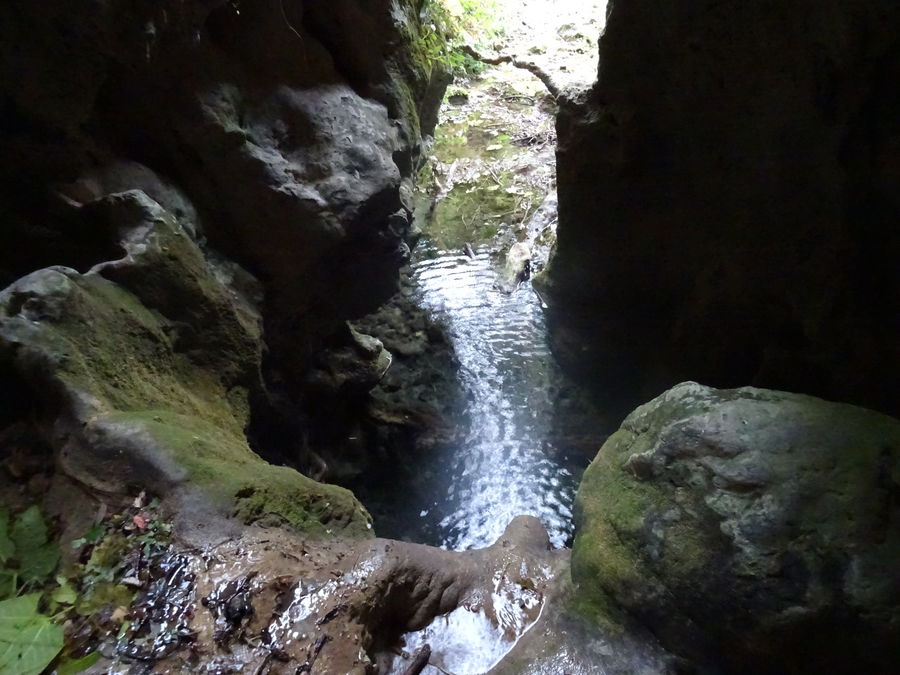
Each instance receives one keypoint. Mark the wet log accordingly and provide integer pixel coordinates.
(420, 660)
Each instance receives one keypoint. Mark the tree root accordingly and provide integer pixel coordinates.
(533, 68)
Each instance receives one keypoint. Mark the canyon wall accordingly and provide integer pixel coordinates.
(728, 195)
(196, 198)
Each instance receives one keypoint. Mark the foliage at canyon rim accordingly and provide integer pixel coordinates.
(449, 24)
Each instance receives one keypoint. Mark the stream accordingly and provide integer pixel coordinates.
(509, 463)
(522, 433)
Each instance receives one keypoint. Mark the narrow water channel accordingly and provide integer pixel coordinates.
(508, 464)
(518, 434)
(521, 433)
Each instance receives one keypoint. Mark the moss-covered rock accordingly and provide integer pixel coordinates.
(756, 529)
(290, 131)
(149, 375)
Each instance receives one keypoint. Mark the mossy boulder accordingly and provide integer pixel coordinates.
(146, 364)
(755, 530)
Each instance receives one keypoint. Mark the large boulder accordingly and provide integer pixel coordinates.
(755, 530)
(143, 368)
(728, 201)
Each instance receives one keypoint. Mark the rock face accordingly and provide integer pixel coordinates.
(197, 196)
(728, 200)
(291, 127)
(144, 366)
(755, 530)
(342, 609)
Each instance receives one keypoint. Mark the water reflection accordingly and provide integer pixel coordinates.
(509, 464)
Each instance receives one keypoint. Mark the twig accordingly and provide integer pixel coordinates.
(446, 672)
(527, 211)
(420, 660)
(532, 68)
(264, 666)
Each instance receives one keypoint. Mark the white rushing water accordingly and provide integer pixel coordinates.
(508, 464)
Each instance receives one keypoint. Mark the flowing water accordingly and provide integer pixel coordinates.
(513, 460)
(524, 434)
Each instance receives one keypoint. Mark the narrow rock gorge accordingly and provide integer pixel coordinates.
(728, 194)
(222, 351)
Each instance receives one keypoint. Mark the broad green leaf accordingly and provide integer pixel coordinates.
(29, 641)
(73, 666)
(37, 558)
(39, 564)
(7, 548)
(29, 531)
(93, 535)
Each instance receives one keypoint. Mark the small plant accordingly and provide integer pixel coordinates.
(27, 556)
(29, 639)
(482, 19)
(114, 554)
(446, 25)
(118, 558)
(134, 592)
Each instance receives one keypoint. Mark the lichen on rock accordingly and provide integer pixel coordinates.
(751, 528)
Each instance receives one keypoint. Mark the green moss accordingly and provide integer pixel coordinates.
(282, 497)
(610, 554)
(112, 347)
(614, 507)
(130, 363)
(594, 610)
(469, 138)
(224, 466)
(108, 552)
(473, 212)
(406, 99)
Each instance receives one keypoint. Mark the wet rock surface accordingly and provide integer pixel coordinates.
(280, 604)
(729, 217)
(754, 530)
(412, 414)
(268, 601)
